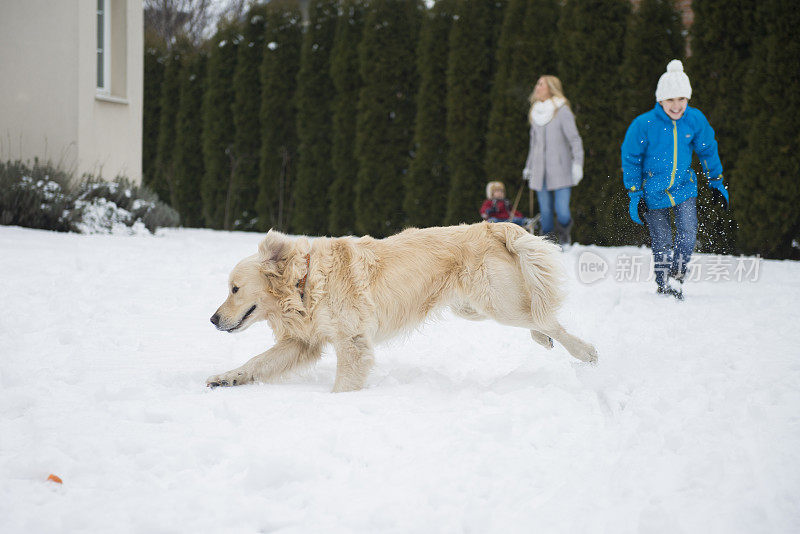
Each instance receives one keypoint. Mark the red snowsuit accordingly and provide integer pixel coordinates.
(497, 209)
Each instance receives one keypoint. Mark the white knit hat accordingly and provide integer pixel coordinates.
(674, 83)
(491, 186)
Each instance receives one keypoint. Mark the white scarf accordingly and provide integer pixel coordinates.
(542, 112)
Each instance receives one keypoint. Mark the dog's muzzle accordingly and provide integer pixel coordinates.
(215, 320)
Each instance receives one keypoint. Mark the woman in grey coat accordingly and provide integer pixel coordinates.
(555, 158)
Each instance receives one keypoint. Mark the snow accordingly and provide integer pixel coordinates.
(689, 423)
(103, 216)
(49, 189)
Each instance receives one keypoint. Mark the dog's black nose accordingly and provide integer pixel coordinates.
(215, 319)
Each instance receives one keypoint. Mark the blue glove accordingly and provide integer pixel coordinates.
(719, 193)
(633, 207)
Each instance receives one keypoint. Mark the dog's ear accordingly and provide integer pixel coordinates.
(274, 247)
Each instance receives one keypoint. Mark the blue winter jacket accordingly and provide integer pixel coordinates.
(657, 156)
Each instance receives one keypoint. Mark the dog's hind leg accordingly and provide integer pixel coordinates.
(284, 357)
(542, 339)
(574, 345)
(465, 311)
(354, 359)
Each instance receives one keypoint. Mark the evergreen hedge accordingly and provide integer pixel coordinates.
(385, 119)
(279, 69)
(470, 69)
(428, 178)
(218, 128)
(154, 58)
(188, 156)
(315, 92)
(765, 186)
(653, 38)
(170, 92)
(722, 40)
(347, 83)
(247, 129)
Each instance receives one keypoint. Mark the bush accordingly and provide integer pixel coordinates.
(44, 197)
(35, 197)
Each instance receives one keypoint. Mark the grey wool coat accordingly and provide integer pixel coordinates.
(554, 147)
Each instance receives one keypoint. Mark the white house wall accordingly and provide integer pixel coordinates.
(49, 106)
(39, 81)
(110, 130)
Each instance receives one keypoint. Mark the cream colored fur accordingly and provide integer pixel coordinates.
(360, 291)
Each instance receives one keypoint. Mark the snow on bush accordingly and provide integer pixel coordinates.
(102, 216)
(46, 198)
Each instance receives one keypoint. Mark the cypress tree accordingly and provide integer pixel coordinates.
(165, 147)
(246, 107)
(314, 122)
(765, 187)
(385, 121)
(525, 51)
(428, 179)
(470, 69)
(278, 114)
(721, 41)
(589, 50)
(153, 79)
(347, 82)
(654, 37)
(218, 128)
(188, 156)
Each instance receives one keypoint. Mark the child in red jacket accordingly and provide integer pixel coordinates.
(496, 207)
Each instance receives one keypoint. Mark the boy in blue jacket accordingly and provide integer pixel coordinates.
(656, 168)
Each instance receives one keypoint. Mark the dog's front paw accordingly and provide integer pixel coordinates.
(231, 378)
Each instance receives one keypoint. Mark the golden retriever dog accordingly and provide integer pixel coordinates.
(355, 292)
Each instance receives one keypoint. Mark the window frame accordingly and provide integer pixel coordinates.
(104, 10)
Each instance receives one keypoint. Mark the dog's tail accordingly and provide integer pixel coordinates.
(542, 268)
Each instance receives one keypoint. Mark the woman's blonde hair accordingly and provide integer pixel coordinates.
(554, 84)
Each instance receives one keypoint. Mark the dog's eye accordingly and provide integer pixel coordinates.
(234, 289)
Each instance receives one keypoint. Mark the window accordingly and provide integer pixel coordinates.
(103, 47)
(112, 50)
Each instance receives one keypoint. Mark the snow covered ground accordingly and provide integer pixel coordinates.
(689, 423)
